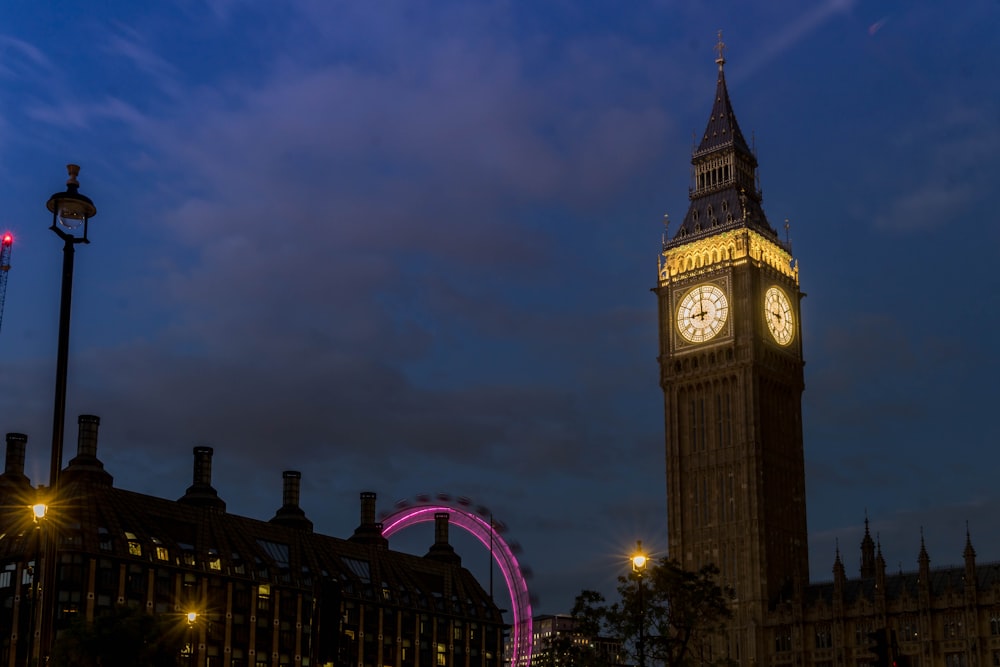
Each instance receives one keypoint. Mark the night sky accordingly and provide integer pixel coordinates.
(407, 247)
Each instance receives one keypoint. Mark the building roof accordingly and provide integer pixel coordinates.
(94, 517)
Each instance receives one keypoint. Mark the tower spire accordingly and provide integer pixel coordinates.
(725, 192)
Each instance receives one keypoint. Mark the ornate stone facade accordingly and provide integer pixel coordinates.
(731, 369)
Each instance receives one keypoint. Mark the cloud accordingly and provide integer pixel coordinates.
(930, 206)
(129, 44)
(953, 138)
(785, 33)
(25, 55)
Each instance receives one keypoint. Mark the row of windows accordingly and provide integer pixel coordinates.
(952, 629)
(290, 626)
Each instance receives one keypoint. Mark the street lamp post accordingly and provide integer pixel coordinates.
(639, 561)
(70, 210)
(38, 511)
(71, 214)
(192, 658)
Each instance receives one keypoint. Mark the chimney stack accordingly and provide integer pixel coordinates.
(442, 550)
(16, 444)
(290, 513)
(441, 527)
(85, 462)
(14, 486)
(200, 492)
(86, 442)
(291, 485)
(367, 508)
(370, 531)
(203, 466)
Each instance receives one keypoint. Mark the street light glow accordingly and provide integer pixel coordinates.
(192, 616)
(638, 558)
(39, 510)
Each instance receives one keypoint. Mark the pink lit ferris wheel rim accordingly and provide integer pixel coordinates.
(502, 554)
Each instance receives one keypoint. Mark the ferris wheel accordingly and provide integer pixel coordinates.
(478, 521)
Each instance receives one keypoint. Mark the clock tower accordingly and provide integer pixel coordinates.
(731, 369)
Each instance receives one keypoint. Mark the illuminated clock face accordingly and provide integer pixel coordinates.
(779, 316)
(702, 313)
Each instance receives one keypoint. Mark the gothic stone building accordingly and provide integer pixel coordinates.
(266, 593)
(731, 369)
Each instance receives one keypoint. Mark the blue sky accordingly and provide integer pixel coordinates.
(407, 247)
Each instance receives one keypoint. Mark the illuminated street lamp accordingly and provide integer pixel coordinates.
(70, 211)
(38, 512)
(192, 618)
(639, 560)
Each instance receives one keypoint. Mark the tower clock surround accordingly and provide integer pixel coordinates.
(779, 315)
(702, 313)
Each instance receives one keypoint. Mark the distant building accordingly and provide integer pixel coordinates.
(731, 369)
(266, 593)
(556, 641)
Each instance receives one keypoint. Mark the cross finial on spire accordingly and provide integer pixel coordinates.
(720, 47)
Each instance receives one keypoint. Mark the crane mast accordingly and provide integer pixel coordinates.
(6, 244)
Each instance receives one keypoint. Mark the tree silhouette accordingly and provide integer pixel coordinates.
(679, 612)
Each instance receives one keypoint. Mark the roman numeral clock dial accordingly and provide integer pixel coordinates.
(779, 316)
(702, 313)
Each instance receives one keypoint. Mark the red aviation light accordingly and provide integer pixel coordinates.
(8, 239)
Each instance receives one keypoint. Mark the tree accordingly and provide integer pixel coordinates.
(679, 612)
(125, 638)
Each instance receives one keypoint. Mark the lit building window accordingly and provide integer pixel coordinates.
(263, 597)
(161, 551)
(134, 548)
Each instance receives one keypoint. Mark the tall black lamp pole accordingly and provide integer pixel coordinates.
(70, 211)
(639, 560)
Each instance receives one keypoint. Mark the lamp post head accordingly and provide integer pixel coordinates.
(639, 558)
(38, 511)
(70, 209)
(192, 616)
